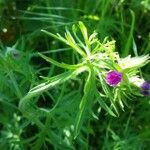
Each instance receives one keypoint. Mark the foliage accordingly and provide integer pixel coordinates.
(54, 93)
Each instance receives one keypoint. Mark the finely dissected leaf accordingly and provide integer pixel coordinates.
(69, 41)
(80, 42)
(73, 44)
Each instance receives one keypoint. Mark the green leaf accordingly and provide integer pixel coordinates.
(130, 37)
(70, 41)
(25, 104)
(58, 36)
(61, 65)
(85, 35)
(104, 105)
(108, 92)
(85, 101)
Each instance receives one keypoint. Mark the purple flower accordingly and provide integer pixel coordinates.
(113, 78)
(145, 87)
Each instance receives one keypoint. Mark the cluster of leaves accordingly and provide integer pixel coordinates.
(96, 60)
(63, 111)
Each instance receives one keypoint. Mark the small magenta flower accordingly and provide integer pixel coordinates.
(145, 87)
(113, 78)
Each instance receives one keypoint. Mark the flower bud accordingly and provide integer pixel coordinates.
(145, 87)
(113, 78)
